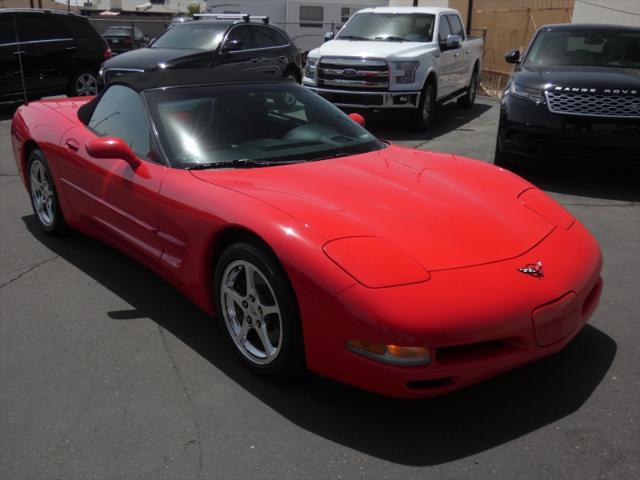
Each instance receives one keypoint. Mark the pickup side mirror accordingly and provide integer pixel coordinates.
(359, 119)
(329, 36)
(512, 56)
(112, 147)
(233, 46)
(453, 41)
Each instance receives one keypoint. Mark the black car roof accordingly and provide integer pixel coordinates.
(581, 27)
(39, 10)
(179, 78)
(189, 77)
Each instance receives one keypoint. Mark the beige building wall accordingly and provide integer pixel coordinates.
(615, 12)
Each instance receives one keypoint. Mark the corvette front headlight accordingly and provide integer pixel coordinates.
(528, 93)
(405, 72)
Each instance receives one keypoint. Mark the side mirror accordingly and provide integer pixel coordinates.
(112, 147)
(512, 56)
(454, 41)
(359, 119)
(233, 46)
(329, 36)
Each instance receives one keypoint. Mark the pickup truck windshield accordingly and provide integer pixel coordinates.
(595, 48)
(193, 35)
(390, 27)
(245, 125)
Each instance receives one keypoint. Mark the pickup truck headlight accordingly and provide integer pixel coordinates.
(528, 93)
(405, 72)
(310, 69)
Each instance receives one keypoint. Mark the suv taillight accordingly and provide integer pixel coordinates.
(108, 54)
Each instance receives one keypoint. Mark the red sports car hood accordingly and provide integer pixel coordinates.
(443, 211)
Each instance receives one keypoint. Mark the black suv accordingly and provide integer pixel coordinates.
(574, 94)
(231, 43)
(61, 53)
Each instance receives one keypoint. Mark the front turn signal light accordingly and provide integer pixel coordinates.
(392, 354)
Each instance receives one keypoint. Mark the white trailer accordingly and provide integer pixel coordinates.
(306, 21)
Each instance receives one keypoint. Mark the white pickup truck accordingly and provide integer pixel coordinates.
(400, 59)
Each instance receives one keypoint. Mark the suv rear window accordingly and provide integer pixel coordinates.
(79, 27)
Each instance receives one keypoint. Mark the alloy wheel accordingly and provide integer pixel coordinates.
(42, 193)
(251, 312)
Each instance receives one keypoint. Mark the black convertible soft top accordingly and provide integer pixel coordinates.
(172, 78)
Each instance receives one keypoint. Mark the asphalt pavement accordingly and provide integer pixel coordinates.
(106, 372)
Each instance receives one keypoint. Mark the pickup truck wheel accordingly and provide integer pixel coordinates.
(426, 108)
(469, 98)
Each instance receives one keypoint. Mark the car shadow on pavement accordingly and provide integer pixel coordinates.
(448, 117)
(416, 432)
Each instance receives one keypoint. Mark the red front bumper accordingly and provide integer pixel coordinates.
(478, 321)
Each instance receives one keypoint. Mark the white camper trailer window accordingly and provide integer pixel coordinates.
(345, 14)
(311, 16)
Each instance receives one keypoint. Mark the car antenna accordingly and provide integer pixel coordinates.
(19, 52)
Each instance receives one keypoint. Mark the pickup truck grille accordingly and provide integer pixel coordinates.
(594, 105)
(114, 74)
(353, 73)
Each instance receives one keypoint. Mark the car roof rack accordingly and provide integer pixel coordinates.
(234, 16)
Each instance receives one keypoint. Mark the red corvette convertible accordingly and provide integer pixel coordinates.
(316, 245)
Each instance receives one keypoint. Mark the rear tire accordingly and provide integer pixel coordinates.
(44, 197)
(83, 83)
(469, 98)
(258, 312)
(423, 117)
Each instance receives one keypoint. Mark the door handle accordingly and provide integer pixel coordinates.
(71, 48)
(254, 60)
(436, 55)
(457, 54)
(467, 52)
(19, 52)
(72, 145)
(282, 58)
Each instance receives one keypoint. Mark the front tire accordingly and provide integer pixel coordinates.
(423, 117)
(44, 198)
(257, 310)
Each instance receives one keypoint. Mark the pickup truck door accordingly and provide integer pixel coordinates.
(446, 76)
(461, 56)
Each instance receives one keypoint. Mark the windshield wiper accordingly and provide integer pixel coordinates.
(353, 37)
(333, 155)
(239, 163)
(392, 38)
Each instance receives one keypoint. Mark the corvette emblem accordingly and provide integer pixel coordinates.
(533, 269)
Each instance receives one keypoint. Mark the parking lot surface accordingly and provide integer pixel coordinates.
(106, 372)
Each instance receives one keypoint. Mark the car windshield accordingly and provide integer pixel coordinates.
(392, 27)
(192, 35)
(230, 125)
(593, 48)
(118, 31)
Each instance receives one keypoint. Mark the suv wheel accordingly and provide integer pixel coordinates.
(83, 83)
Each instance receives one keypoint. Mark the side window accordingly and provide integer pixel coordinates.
(456, 26)
(241, 34)
(443, 30)
(345, 14)
(263, 37)
(120, 113)
(311, 16)
(36, 27)
(79, 27)
(281, 39)
(7, 33)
